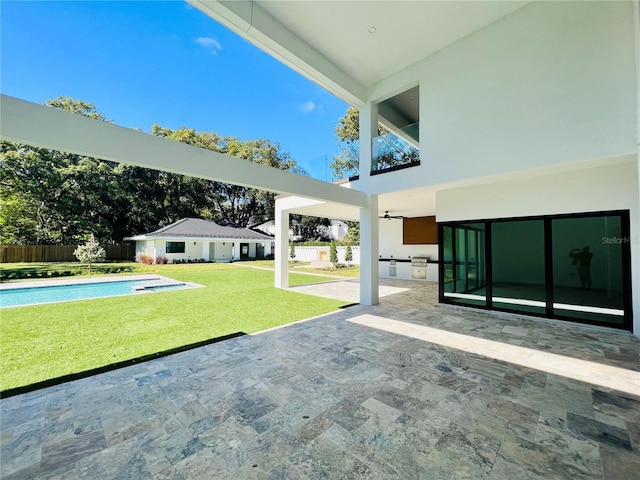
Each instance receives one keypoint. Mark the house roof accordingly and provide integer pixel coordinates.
(204, 229)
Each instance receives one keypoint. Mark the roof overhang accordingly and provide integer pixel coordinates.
(178, 238)
(347, 47)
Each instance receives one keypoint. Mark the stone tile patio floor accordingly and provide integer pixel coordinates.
(362, 393)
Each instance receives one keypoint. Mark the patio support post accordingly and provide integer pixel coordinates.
(282, 247)
(369, 214)
(369, 280)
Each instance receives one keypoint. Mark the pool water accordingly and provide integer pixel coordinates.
(33, 295)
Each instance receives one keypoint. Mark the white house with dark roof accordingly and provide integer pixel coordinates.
(198, 239)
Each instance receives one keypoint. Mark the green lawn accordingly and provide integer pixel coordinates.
(343, 271)
(48, 341)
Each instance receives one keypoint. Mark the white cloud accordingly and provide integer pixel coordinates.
(307, 107)
(210, 43)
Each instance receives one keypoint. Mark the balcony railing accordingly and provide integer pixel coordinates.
(341, 165)
(392, 152)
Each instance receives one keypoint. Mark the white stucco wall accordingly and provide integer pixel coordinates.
(199, 249)
(607, 187)
(552, 83)
(223, 252)
(312, 253)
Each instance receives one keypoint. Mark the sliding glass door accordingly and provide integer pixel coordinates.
(589, 268)
(464, 263)
(518, 268)
(573, 267)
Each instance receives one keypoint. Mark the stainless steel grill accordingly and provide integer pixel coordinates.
(419, 267)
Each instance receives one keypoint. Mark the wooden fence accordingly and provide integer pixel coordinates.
(59, 253)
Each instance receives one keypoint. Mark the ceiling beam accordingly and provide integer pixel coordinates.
(47, 127)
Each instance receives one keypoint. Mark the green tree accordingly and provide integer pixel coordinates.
(56, 197)
(90, 252)
(310, 228)
(239, 205)
(347, 162)
(333, 254)
(79, 107)
(292, 251)
(348, 255)
(353, 233)
(51, 197)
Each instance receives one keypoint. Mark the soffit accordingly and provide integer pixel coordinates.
(406, 31)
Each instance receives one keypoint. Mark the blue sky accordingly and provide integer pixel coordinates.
(163, 62)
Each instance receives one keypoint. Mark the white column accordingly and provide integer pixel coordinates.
(369, 276)
(282, 247)
(205, 250)
(369, 214)
(368, 130)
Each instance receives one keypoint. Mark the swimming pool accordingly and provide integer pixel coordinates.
(62, 291)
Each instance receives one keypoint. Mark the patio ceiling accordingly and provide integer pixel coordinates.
(349, 46)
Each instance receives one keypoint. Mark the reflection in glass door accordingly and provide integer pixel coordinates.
(588, 268)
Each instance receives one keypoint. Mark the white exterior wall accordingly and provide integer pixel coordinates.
(552, 83)
(160, 248)
(145, 247)
(192, 250)
(306, 254)
(311, 253)
(223, 252)
(612, 187)
(199, 249)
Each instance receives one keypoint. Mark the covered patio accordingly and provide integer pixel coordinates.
(402, 390)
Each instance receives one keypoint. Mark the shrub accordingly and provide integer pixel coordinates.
(348, 255)
(333, 254)
(90, 252)
(160, 260)
(146, 259)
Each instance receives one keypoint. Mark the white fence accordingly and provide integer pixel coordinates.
(312, 254)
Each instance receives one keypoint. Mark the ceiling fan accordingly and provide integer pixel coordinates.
(389, 217)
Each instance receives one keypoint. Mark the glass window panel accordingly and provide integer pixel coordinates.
(588, 268)
(467, 265)
(448, 258)
(175, 247)
(517, 256)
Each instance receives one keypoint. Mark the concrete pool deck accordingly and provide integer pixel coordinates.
(402, 390)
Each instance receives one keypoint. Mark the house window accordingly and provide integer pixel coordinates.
(175, 247)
